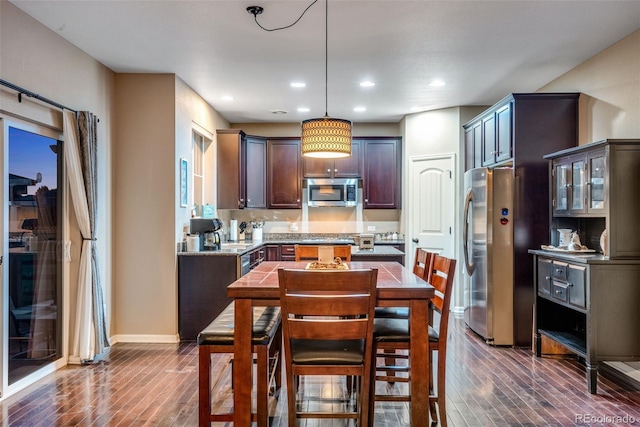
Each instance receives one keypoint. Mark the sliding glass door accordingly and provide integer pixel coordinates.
(32, 261)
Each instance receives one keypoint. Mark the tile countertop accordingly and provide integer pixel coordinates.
(234, 249)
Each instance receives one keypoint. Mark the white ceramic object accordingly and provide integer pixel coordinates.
(565, 236)
(603, 242)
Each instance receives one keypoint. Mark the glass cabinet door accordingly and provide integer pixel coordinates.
(597, 169)
(578, 185)
(561, 187)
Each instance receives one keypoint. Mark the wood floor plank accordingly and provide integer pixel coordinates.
(156, 385)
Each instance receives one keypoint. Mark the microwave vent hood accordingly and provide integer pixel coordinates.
(327, 192)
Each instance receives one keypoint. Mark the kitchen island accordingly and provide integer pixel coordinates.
(203, 276)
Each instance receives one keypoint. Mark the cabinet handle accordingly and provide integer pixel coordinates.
(335, 170)
(558, 291)
(366, 200)
(570, 285)
(298, 200)
(329, 170)
(547, 278)
(558, 270)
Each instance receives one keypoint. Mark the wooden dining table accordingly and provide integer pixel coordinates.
(397, 286)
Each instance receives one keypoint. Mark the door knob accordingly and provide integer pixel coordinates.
(414, 240)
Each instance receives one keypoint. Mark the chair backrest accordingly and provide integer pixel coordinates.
(442, 272)
(310, 252)
(328, 305)
(423, 263)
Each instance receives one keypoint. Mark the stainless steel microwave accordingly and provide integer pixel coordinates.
(332, 192)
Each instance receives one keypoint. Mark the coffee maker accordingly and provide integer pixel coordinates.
(207, 229)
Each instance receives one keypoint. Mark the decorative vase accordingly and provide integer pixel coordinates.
(257, 235)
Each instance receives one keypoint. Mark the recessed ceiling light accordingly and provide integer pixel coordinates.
(303, 109)
(278, 111)
(437, 83)
(367, 83)
(227, 98)
(360, 109)
(298, 84)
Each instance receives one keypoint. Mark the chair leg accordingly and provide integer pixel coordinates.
(292, 391)
(262, 398)
(204, 386)
(442, 406)
(432, 389)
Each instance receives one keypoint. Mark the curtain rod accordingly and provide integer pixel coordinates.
(33, 95)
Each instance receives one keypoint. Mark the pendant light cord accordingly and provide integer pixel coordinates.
(326, 58)
(255, 17)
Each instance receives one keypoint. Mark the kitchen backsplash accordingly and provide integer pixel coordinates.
(318, 220)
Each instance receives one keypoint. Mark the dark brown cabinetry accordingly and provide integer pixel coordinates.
(202, 290)
(284, 174)
(256, 172)
(241, 169)
(589, 306)
(348, 167)
(272, 253)
(381, 178)
(519, 125)
(595, 187)
(517, 132)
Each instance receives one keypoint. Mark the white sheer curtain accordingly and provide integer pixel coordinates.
(84, 348)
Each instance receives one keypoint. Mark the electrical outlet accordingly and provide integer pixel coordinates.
(371, 228)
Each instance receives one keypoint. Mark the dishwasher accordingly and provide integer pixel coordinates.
(245, 264)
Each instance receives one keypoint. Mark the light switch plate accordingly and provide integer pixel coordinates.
(371, 228)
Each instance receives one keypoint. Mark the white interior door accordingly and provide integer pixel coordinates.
(431, 211)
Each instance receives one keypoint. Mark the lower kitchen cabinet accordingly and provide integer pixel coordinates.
(202, 290)
(588, 305)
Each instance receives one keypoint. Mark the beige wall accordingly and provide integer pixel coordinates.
(156, 114)
(433, 133)
(610, 83)
(37, 59)
(143, 183)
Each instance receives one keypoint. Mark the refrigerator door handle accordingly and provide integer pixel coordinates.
(465, 233)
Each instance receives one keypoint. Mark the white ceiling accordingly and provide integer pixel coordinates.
(483, 50)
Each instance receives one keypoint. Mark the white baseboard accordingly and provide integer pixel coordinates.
(457, 311)
(147, 339)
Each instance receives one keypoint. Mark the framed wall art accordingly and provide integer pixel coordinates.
(184, 179)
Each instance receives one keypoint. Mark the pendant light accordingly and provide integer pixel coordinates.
(326, 137)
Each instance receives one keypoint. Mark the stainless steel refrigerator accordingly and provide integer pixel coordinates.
(488, 245)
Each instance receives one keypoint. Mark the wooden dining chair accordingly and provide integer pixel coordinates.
(422, 267)
(392, 334)
(310, 252)
(327, 324)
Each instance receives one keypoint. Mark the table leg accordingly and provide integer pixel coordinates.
(419, 362)
(242, 361)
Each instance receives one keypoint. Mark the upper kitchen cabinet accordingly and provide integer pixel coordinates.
(595, 187)
(578, 184)
(381, 179)
(241, 164)
(284, 173)
(520, 127)
(348, 167)
(256, 172)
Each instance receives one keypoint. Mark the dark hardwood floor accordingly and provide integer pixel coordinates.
(156, 385)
